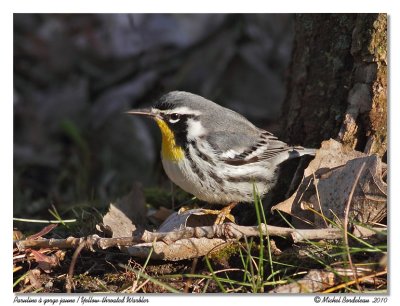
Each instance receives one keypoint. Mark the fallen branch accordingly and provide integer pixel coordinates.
(227, 231)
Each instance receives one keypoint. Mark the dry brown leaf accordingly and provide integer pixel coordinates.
(327, 184)
(47, 229)
(33, 277)
(46, 262)
(368, 204)
(125, 216)
(187, 218)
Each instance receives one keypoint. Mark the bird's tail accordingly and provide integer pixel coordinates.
(300, 151)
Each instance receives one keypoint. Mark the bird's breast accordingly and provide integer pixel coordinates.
(180, 173)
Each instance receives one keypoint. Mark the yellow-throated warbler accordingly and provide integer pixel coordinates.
(215, 153)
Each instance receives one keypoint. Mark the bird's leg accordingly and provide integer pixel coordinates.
(225, 213)
(219, 214)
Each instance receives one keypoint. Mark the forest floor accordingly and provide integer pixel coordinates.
(251, 265)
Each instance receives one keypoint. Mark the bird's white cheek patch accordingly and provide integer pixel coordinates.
(195, 129)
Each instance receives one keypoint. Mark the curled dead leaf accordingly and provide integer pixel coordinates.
(126, 215)
(47, 262)
(47, 229)
(187, 218)
(326, 188)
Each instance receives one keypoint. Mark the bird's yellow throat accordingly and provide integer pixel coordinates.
(169, 150)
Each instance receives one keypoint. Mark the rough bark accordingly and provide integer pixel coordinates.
(337, 81)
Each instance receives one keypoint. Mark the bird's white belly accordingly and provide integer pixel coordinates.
(206, 188)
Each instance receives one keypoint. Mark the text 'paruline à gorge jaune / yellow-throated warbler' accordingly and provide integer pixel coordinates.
(215, 153)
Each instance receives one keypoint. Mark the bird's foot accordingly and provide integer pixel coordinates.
(224, 213)
(221, 216)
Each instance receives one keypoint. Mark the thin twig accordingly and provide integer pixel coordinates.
(141, 286)
(70, 283)
(361, 279)
(189, 282)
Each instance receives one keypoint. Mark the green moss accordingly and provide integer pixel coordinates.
(224, 253)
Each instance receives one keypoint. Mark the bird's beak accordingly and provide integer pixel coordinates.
(142, 112)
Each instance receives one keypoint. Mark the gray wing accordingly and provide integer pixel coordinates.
(242, 148)
(240, 142)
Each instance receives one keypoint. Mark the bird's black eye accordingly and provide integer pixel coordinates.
(174, 118)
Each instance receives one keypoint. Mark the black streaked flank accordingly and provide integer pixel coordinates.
(240, 161)
(194, 167)
(201, 154)
(246, 179)
(216, 178)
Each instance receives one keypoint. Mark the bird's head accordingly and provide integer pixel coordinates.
(179, 116)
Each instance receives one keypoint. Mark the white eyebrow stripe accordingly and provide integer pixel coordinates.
(183, 110)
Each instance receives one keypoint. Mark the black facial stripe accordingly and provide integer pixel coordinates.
(179, 128)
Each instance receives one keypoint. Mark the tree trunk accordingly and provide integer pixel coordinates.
(338, 81)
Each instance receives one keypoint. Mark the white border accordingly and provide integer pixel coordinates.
(7, 8)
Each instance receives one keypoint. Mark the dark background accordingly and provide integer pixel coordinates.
(75, 75)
